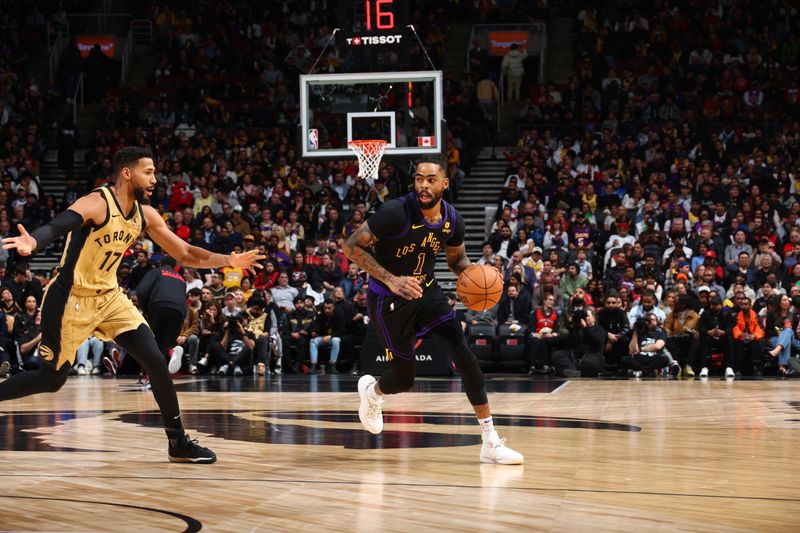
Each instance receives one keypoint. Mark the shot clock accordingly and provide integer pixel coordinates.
(375, 33)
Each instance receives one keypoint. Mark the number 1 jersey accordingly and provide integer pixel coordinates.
(407, 244)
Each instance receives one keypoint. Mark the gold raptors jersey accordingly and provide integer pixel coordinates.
(92, 255)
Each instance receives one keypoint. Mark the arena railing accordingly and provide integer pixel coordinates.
(57, 38)
(78, 91)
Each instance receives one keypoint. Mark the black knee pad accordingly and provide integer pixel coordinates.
(451, 339)
(399, 377)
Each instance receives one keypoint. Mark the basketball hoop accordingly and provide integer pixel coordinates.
(369, 153)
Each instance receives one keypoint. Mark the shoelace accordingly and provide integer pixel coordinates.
(498, 444)
(192, 444)
(374, 408)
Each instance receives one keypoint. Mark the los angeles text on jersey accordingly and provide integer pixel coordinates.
(115, 236)
(430, 241)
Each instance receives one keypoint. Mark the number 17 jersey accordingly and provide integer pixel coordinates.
(92, 254)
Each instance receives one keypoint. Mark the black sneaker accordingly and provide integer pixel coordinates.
(313, 369)
(189, 451)
(332, 369)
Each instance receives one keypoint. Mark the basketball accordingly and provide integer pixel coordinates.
(480, 287)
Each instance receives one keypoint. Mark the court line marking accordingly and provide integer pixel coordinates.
(420, 485)
(192, 524)
(560, 387)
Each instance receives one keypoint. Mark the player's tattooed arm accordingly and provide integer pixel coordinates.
(457, 259)
(356, 249)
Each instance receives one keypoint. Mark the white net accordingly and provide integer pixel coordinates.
(369, 153)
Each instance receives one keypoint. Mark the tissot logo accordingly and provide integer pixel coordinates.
(420, 357)
(368, 40)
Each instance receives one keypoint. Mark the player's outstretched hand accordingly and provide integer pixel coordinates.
(405, 286)
(24, 244)
(248, 261)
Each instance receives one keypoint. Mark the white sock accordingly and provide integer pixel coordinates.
(371, 394)
(487, 427)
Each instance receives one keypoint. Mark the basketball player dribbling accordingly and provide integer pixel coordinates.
(84, 299)
(405, 302)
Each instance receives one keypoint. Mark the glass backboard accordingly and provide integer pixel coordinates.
(402, 108)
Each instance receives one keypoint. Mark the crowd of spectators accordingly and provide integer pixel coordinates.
(650, 196)
(661, 182)
(219, 114)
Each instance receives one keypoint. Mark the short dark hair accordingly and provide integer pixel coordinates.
(434, 159)
(127, 156)
(256, 300)
(167, 261)
(329, 301)
(194, 292)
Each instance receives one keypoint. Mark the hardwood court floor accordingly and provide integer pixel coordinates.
(600, 456)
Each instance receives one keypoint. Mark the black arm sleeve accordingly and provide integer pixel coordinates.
(46, 235)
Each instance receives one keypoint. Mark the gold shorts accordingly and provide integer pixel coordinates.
(68, 319)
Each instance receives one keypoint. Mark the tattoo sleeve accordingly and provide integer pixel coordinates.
(356, 248)
(457, 259)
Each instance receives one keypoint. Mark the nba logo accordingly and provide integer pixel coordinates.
(313, 139)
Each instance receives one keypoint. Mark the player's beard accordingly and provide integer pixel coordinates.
(139, 195)
(432, 202)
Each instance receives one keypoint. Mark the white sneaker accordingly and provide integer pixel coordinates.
(494, 450)
(82, 370)
(203, 361)
(193, 370)
(223, 370)
(237, 371)
(95, 371)
(175, 360)
(637, 373)
(370, 413)
(704, 373)
(89, 367)
(729, 373)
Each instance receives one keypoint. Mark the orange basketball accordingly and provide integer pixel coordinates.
(480, 287)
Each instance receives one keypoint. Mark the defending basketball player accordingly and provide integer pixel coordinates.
(85, 299)
(404, 300)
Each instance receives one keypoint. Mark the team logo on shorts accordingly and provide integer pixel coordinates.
(46, 353)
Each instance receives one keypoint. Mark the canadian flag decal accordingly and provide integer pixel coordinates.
(426, 141)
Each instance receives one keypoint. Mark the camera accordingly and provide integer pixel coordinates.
(577, 316)
(640, 326)
(233, 321)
